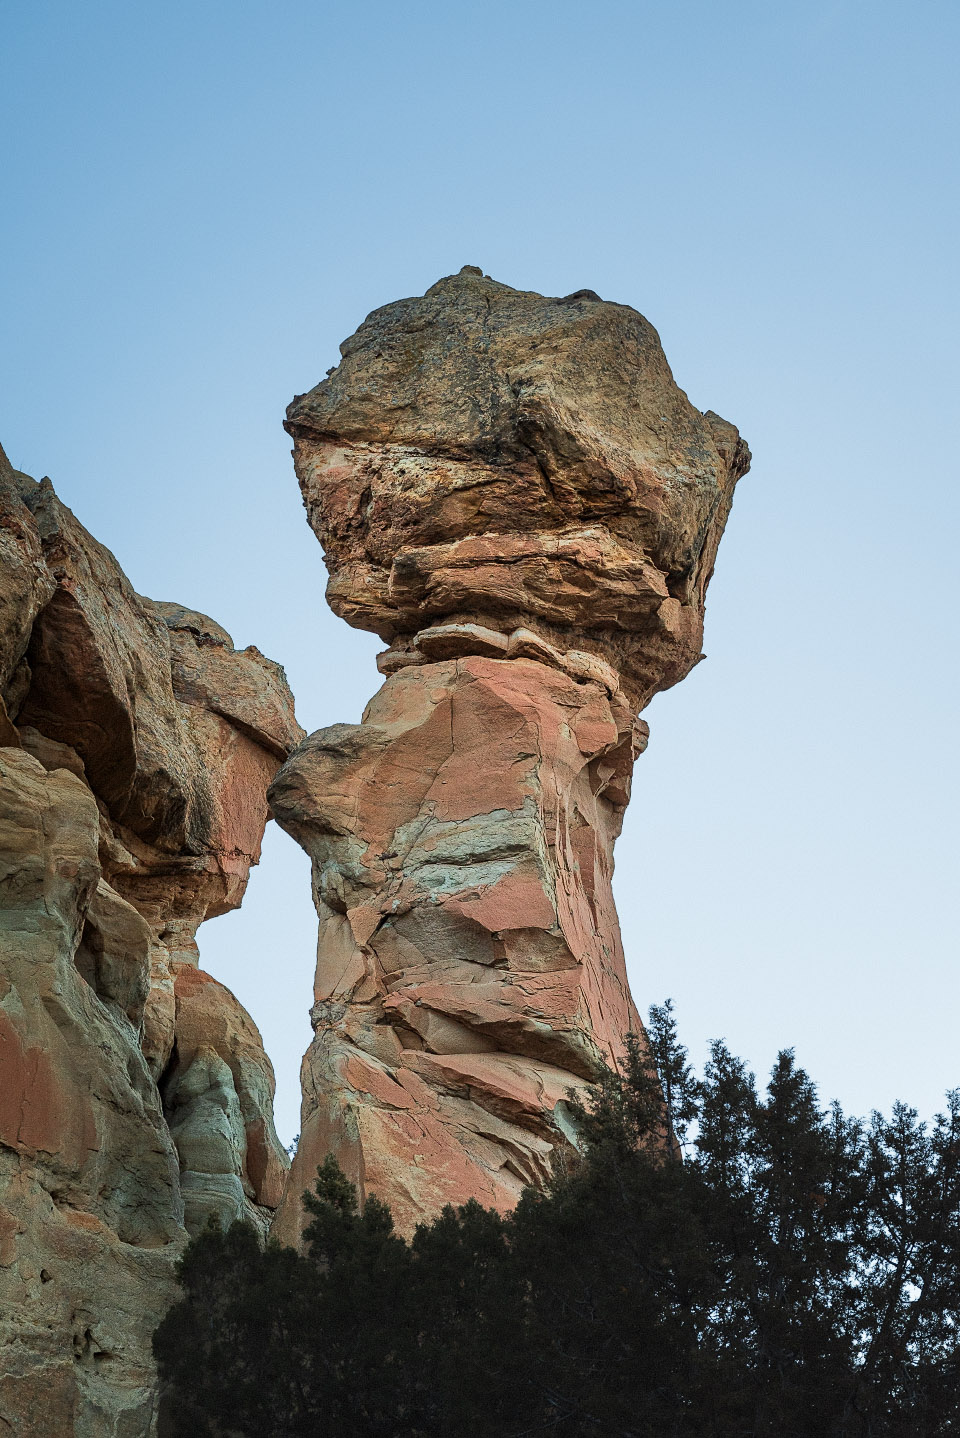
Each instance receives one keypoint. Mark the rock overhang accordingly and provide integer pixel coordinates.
(494, 456)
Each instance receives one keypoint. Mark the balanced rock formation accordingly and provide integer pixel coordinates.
(512, 492)
(136, 746)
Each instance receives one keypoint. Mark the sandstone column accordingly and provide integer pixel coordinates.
(514, 494)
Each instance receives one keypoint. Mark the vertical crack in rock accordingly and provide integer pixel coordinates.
(136, 746)
(515, 495)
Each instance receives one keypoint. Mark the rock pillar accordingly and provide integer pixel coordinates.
(512, 491)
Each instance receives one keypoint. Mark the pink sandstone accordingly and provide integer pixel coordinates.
(514, 494)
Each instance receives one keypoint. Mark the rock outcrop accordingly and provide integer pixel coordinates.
(515, 495)
(136, 746)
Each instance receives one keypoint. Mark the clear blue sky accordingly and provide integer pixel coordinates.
(202, 199)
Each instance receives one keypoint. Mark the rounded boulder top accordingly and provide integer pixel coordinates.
(466, 365)
(479, 413)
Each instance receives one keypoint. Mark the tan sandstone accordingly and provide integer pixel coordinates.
(136, 746)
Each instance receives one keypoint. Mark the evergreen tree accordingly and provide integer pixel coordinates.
(717, 1263)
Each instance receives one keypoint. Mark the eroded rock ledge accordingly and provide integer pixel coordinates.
(136, 746)
(515, 495)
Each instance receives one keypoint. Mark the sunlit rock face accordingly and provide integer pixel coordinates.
(512, 491)
(136, 746)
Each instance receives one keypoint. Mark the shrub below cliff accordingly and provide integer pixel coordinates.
(784, 1271)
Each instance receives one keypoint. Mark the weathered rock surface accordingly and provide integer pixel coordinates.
(489, 455)
(135, 1096)
(512, 491)
(469, 969)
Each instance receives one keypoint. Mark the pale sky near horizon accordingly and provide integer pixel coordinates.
(202, 200)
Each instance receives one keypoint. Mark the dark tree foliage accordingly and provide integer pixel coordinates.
(719, 1263)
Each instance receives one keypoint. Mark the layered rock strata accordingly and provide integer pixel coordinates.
(512, 492)
(136, 746)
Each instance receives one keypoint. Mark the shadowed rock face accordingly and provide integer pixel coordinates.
(512, 491)
(136, 746)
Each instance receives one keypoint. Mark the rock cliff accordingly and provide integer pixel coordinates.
(136, 746)
(512, 492)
